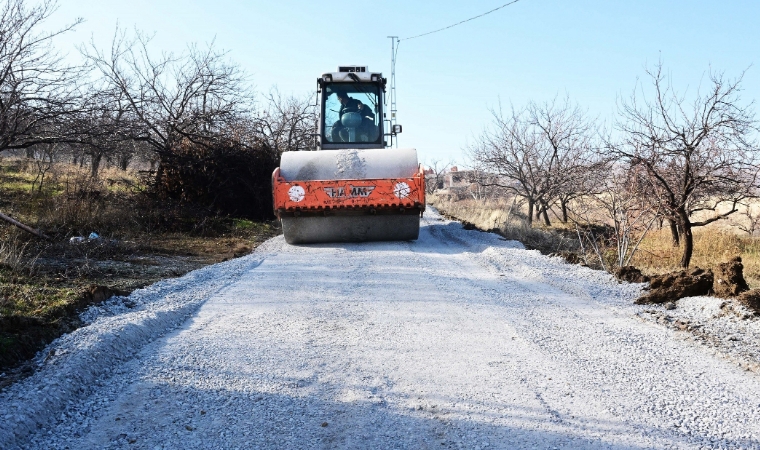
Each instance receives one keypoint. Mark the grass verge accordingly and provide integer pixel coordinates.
(44, 285)
(657, 255)
(500, 216)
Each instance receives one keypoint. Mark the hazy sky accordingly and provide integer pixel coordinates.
(591, 50)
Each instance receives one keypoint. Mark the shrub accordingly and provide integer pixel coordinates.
(227, 178)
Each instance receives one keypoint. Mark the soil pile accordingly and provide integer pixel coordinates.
(675, 285)
(729, 279)
(631, 275)
(751, 299)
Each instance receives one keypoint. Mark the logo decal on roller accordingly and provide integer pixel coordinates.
(349, 191)
(402, 190)
(296, 193)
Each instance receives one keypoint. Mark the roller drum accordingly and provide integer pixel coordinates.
(349, 164)
(344, 228)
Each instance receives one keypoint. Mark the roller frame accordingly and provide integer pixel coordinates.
(359, 210)
(373, 196)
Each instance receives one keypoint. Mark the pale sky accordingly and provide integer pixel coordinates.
(591, 50)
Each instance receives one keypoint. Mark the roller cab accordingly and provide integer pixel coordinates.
(352, 188)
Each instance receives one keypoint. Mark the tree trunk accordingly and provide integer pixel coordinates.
(674, 233)
(545, 214)
(688, 239)
(530, 212)
(23, 227)
(563, 203)
(95, 164)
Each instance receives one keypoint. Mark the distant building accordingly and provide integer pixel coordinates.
(456, 178)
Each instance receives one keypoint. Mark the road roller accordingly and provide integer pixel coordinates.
(353, 187)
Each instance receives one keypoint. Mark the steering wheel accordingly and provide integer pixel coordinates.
(351, 119)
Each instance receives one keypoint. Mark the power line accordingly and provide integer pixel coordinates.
(396, 43)
(464, 21)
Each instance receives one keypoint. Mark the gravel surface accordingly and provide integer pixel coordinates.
(725, 327)
(458, 340)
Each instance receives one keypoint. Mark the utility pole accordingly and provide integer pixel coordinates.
(394, 49)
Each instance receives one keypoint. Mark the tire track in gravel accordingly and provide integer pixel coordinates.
(674, 401)
(540, 372)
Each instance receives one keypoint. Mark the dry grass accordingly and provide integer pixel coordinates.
(14, 254)
(67, 200)
(713, 244)
(505, 217)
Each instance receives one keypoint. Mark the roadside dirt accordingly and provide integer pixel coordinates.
(41, 304)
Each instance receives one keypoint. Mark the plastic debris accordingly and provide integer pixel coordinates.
(76, 240)
(94, 236)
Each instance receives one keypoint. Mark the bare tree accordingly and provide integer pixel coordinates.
(483, 184)
(196, 111)
(105, 127)
(567, 134)
(617, 202)
(37, 91)
(695, 157)
(510, 149)
(287, 124)
(434, 180)
(752, 220)
(749, 222)
(124, 153)
(44, 163)
(194, 97)
(537, 153)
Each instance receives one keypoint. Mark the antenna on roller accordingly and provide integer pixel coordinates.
(394, 49)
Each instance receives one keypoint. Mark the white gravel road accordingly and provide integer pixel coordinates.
(457, 340)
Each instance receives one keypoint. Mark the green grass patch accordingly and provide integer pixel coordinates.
(33, 296)
(243, 224)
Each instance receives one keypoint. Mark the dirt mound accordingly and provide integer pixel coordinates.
(569, 257)
(675, 285)
(751, 299)
(631, 275)
(96, 294)
(729, 279)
